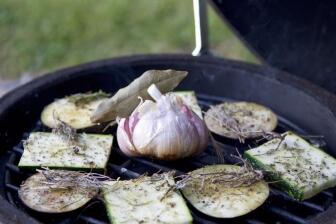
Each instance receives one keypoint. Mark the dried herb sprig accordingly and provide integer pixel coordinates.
(245, 176)
(240, 120)
(73, 179)
(64, 130)
(69, 134)
(228, 122)
(240, 178)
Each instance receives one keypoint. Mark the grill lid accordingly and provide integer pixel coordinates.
(293, 36)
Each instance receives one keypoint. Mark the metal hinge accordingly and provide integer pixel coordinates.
(201, 28)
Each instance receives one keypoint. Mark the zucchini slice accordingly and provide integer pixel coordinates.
(145, 200)
(74, 110)
(217, 200)
(252, 119)
(37, 195)
(189, 99)
(43, 149)
(296, 166)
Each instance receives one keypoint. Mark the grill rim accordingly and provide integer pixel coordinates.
(324, 97)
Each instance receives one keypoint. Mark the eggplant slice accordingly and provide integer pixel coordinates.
(240, 120)
(217, 200)
(39, 196)
(74, 110)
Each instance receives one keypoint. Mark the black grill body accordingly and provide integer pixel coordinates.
(301, 107)
(294, 36)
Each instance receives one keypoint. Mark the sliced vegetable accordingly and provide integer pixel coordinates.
(51, 150)
(74, 110)
(240, 120)
(189, 98)
(217, 199)
(145, 200)
(39, 196)
(296, 166)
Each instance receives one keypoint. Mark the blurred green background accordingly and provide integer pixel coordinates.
(38, 36)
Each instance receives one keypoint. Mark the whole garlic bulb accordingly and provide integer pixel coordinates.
(166, 129)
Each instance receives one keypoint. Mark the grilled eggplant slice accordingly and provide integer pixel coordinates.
(90, 151)
(145, 200)
(74, 110)
(296, 166)
(221, 201)
(189, 99)
(39, 196)
(238, 120)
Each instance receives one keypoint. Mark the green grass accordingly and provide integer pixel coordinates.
(38, 36)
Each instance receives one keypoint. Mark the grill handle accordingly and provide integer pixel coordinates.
(201, 28)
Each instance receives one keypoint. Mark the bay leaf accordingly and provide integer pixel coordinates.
(126, 99)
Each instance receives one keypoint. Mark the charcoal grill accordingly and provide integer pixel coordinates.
(301, 106)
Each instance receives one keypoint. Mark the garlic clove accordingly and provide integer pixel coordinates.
(202, 130)
(144, 107)
(124, 138)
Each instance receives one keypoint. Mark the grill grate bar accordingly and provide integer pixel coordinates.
(91, 220)
(286, 215)
(12, 187)
(18, 150)
(253, 221)
(313, 206)
(154, 165)
(328, 193)
(308, 204)
(15, 169)
(123, 171)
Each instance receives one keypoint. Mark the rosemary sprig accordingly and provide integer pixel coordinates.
(66, 179)
(66, 131)
(69, 135)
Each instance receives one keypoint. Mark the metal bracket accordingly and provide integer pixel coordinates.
(201, 28)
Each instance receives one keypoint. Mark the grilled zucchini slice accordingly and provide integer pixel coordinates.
(42, 149)
(189, 99)
(296, 166)
(217, 200)
(252, 119)
(39, 196)
(145, 200)
(74, 110)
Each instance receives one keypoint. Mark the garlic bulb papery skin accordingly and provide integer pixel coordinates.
(166, 129)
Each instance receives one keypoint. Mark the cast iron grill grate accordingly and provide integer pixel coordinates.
(279, 208)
